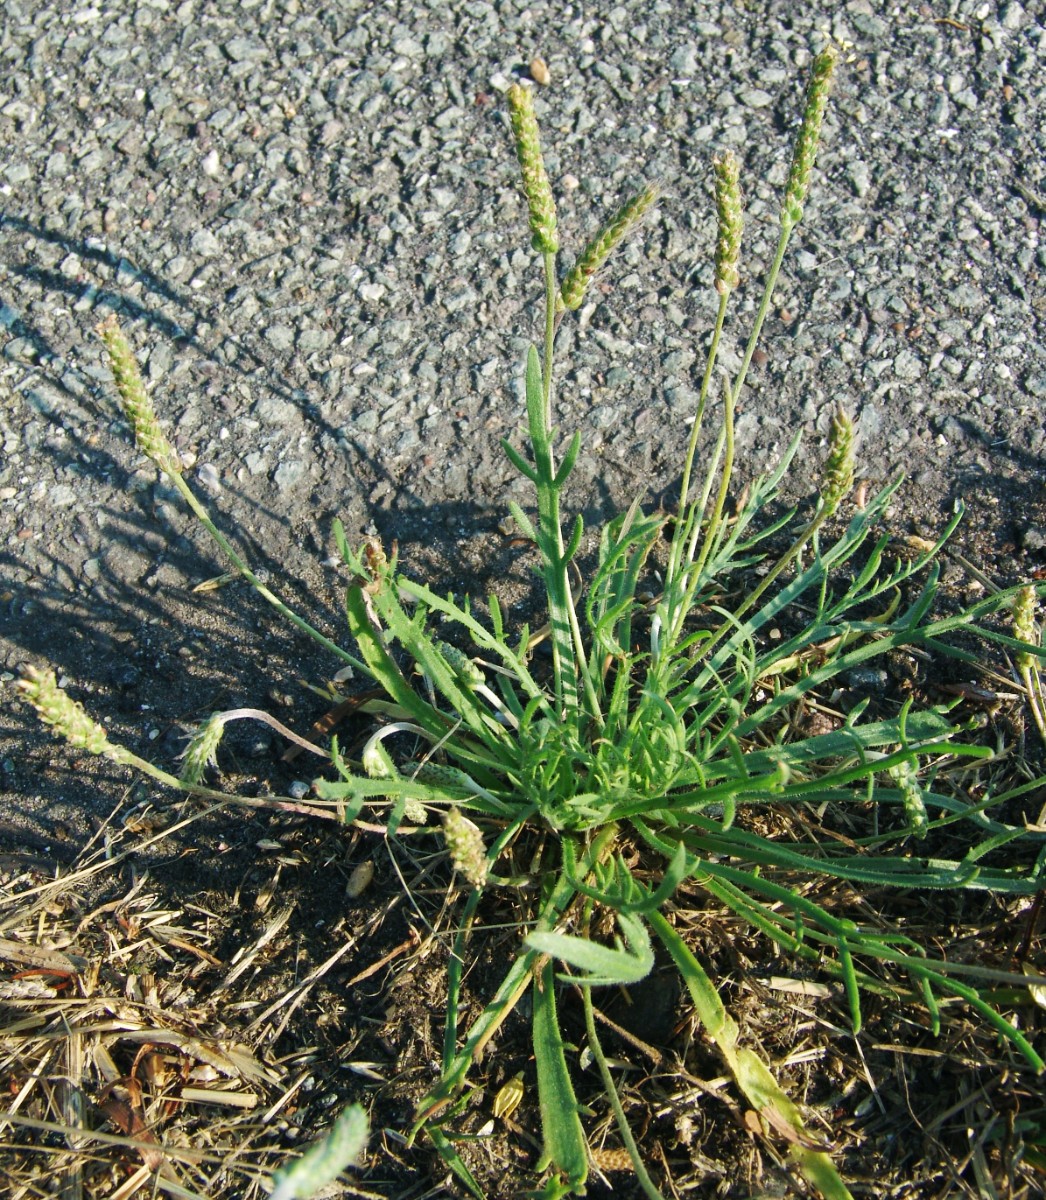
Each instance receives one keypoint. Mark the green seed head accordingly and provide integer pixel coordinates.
(137, 406)
(202, 751)
(906, 776)
(728, 212)
(64, 715)
(462, 666)
(376, 761)
(536, 187)
(442, 776)
(598, 250)
(809, 134)
(839, 468)
(465, 843)
(1024, 627)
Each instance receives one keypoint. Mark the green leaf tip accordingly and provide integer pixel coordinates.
(324, 1160)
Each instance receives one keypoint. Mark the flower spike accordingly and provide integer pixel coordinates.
(536, 186)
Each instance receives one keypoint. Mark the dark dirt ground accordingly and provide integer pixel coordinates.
(165, 926)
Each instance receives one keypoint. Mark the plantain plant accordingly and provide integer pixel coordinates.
(662, 720)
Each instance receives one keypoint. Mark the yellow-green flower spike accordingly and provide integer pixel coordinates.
(728, 212)
(202, 751)
(809, 134)
(465, 843)
(598, 250)
(137, 406)
(1024, 627)
(839, 468)
(64, 715)
(536, 186)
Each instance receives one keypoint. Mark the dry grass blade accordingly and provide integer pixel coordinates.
(129, 1065)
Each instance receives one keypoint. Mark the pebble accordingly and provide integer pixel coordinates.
(61, 495)
(204, 243)
(908, 366)
(539, 72)
(684, 61)
(244, 49)
(208, 478)
(280, 337)
(288, 474)
(274, 410)
(755, 98)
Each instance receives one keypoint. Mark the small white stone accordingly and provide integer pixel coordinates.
(209, 479)
(371, 292)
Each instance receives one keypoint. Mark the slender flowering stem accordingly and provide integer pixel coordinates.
(1026, 629)
(69, 720)
(569, 656)
(550, 335)
(795, 191)
(727, 255)
(152, 442)
(728, 206)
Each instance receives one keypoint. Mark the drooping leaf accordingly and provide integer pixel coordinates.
(602, 965)
(565, 1146)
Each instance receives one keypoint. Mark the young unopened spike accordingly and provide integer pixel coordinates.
(1024, 627)
(64, 715)
(137, 406)
(465, 843)
(839, 469)
(202, 751)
